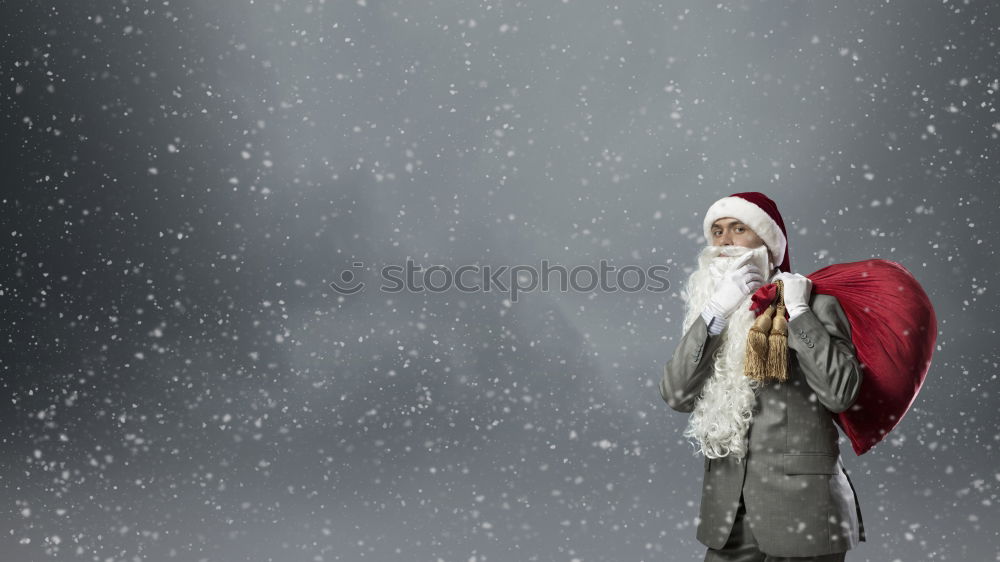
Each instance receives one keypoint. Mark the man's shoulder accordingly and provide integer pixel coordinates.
(827, 306)
(825, 301)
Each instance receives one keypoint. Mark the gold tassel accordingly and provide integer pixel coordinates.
(755, 365)
(777, 341)
(767, 343)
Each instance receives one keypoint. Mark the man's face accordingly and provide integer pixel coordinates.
(728, 231)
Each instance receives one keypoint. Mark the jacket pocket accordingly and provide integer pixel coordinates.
(810, 463)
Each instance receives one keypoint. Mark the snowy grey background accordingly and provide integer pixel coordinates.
(182, 181)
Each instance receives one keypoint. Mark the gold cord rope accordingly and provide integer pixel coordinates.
(767, 342)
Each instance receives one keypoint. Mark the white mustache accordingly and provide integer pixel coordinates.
(718, 259)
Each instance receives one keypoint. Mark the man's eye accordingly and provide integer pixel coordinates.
(739, 229)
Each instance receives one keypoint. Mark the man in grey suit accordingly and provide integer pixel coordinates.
(775, 486)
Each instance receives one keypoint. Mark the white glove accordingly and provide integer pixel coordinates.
(740, 280)
(796, 290)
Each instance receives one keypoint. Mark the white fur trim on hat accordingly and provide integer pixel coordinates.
(753, 216)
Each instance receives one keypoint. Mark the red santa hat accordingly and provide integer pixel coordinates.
(757, 211)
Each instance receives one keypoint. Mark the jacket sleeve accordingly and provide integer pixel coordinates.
(690, 367)
(821, 339)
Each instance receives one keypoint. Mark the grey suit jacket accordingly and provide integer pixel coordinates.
(799, 499)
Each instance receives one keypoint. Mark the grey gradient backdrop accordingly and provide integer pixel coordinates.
(182, 180)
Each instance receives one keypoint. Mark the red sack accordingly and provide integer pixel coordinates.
(893, 328)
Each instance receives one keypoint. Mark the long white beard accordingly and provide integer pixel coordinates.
(722, 414)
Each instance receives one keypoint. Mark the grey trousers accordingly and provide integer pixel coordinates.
(742, 547)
